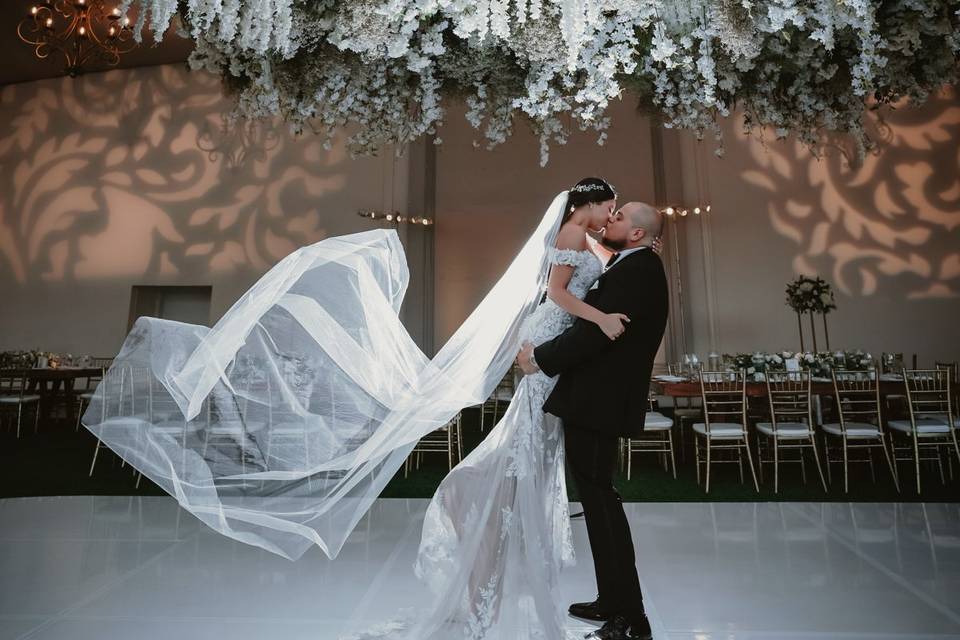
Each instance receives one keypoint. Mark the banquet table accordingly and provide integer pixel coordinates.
(55, 384)
(691, 388)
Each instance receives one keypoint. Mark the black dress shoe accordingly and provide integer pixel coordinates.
(588, 611)
(621, 628)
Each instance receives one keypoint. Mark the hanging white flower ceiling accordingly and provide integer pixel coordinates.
(798, 66)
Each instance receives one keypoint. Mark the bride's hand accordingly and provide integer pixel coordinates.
(612, 324)
(657, 245)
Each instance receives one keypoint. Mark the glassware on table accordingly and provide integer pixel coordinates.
(713, 358)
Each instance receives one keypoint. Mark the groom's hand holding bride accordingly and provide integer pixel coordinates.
(526, 361)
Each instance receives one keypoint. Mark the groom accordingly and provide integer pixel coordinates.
(601, 396)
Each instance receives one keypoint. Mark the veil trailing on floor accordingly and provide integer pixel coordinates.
(281, 424)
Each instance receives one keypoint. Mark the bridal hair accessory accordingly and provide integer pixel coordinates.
(583, 188)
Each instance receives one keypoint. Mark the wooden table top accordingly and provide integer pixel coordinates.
(55, 374)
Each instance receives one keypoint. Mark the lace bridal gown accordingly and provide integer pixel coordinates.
(497, 531)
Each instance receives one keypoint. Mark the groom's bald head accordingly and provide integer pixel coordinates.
(645, 217)
(635, 224)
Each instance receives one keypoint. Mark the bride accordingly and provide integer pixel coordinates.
(497, 531)
(280, 425)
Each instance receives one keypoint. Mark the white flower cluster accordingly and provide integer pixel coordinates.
(802, 66)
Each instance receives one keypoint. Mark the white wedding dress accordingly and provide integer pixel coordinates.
(497, 531)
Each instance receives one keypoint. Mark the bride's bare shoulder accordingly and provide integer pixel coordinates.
(571, 236)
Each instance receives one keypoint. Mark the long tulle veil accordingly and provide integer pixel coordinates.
(281, 424)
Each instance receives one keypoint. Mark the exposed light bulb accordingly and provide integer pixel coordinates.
(425, 222)
(708, 208)
(389, 217)
(696, 210)
(669, 211)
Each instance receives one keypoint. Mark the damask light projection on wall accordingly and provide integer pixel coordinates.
(129, 175)
(892, 221)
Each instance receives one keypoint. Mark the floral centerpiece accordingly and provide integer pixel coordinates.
(30, 359)
(819, 364)
(795, 66)
(811, 295)
(18, 359)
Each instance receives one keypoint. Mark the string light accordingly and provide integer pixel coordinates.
(682, 212)
(395, 217)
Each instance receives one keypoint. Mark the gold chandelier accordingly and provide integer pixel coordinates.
(84, 31)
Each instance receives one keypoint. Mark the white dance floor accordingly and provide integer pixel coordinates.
(78, 568)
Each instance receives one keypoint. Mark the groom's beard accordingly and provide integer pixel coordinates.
(610, 243)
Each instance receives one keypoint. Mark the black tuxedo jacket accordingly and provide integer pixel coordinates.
(604, 383)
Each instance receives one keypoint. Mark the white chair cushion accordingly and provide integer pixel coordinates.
(854, 429)
(18, 399)
(785, 430)
(721, 430)
(942, 417)
(924, 425)
(656, 421)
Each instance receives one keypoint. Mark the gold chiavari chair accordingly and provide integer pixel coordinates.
(111, 394)
(683, 412)
(502, 395)
(860, 422)
(13, 393)
(131, 392)
(791, 424)
(724, 397)
(446, 439)
(85, 388)
(657, 438)
(933, 423)
(954, 371)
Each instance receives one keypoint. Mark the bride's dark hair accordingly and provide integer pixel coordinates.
(587, 191)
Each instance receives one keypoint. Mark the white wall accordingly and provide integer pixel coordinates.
(885, 234)
(123, 178)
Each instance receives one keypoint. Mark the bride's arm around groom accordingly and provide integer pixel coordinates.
(604, 382)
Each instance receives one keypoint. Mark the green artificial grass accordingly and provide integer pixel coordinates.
(56, 461)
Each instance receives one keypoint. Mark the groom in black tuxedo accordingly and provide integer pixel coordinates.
(601, 396)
